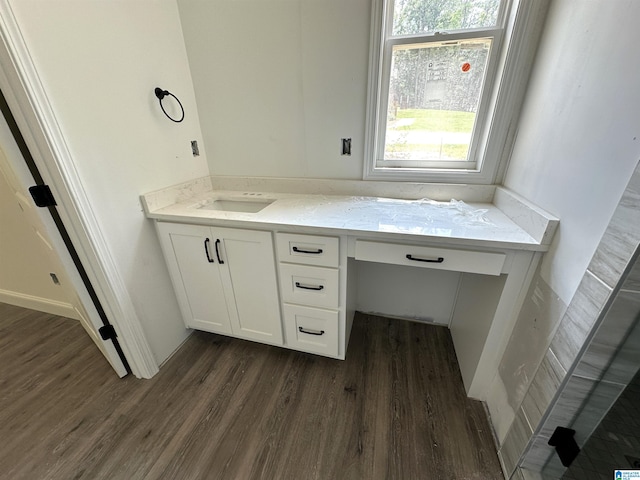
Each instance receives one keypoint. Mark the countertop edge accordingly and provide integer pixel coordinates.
(391, 236)
(534, 222)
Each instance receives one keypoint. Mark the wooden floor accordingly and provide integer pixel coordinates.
(230, 409)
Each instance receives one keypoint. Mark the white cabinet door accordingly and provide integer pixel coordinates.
(249, 274)
(197, 280)
(225, 280)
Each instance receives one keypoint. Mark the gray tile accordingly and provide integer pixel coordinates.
(501, 460)
(595, 448)
(515, 442)
(601, 398)
(529, 474)
(566, 409)
(605, 465)
(544, 386)
(583, 461)
(517, 475)
(553, 469)
(538, 454)
(537, 322)
(624, 365)
(621, 236)
(632, 282)
(575, 472)
(581, 315)
(597, 361)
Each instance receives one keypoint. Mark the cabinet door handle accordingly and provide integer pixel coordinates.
(310, 332)
(206, 250)
(307, 287)
(218, 252)
(313, 252)
(430, 260)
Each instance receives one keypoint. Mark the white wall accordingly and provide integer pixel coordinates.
(99, 63)
(579, 133)
(279, 83)
(423, 294)
(577, 147)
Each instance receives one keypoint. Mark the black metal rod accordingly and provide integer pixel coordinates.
(306, 287)
(206, 250)
(218, 252)
(313, 252)
(310, 332)
(429, 260)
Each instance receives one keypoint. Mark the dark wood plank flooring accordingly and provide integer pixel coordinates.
(223, 408)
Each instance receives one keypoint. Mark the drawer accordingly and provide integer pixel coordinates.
(302, 284)
(308, 249)
(430, 257)
(311, 329)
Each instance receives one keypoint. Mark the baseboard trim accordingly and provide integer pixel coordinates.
(54, 307)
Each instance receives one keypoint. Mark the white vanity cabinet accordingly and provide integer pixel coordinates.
(336, 253)
(311, 293)
(224, 279)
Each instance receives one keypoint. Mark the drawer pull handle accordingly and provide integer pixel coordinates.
(429, 260)
(314, 252)
(218, 252)
(307, 287)
(310, 332)
(206, 250)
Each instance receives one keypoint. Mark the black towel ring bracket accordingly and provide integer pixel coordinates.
(160, 93)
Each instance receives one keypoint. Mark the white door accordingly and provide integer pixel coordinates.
(250, 271)
(191, 258)
(32, 274)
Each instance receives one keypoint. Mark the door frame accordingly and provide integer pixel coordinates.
(62, 247)
(36, 120)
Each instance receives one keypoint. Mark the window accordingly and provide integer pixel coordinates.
(440, 104)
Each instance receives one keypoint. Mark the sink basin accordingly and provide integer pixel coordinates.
(239, 205)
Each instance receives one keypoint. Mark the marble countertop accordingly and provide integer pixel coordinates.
(478, 224)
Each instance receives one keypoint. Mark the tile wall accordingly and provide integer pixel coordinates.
(575, 367)
(615, 443)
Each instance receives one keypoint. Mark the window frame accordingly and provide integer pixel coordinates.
(516, 35)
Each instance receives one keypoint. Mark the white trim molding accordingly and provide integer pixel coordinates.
(54, 307)
(28, 101)
(524, 22)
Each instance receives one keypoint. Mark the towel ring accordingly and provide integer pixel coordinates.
(160, 93)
